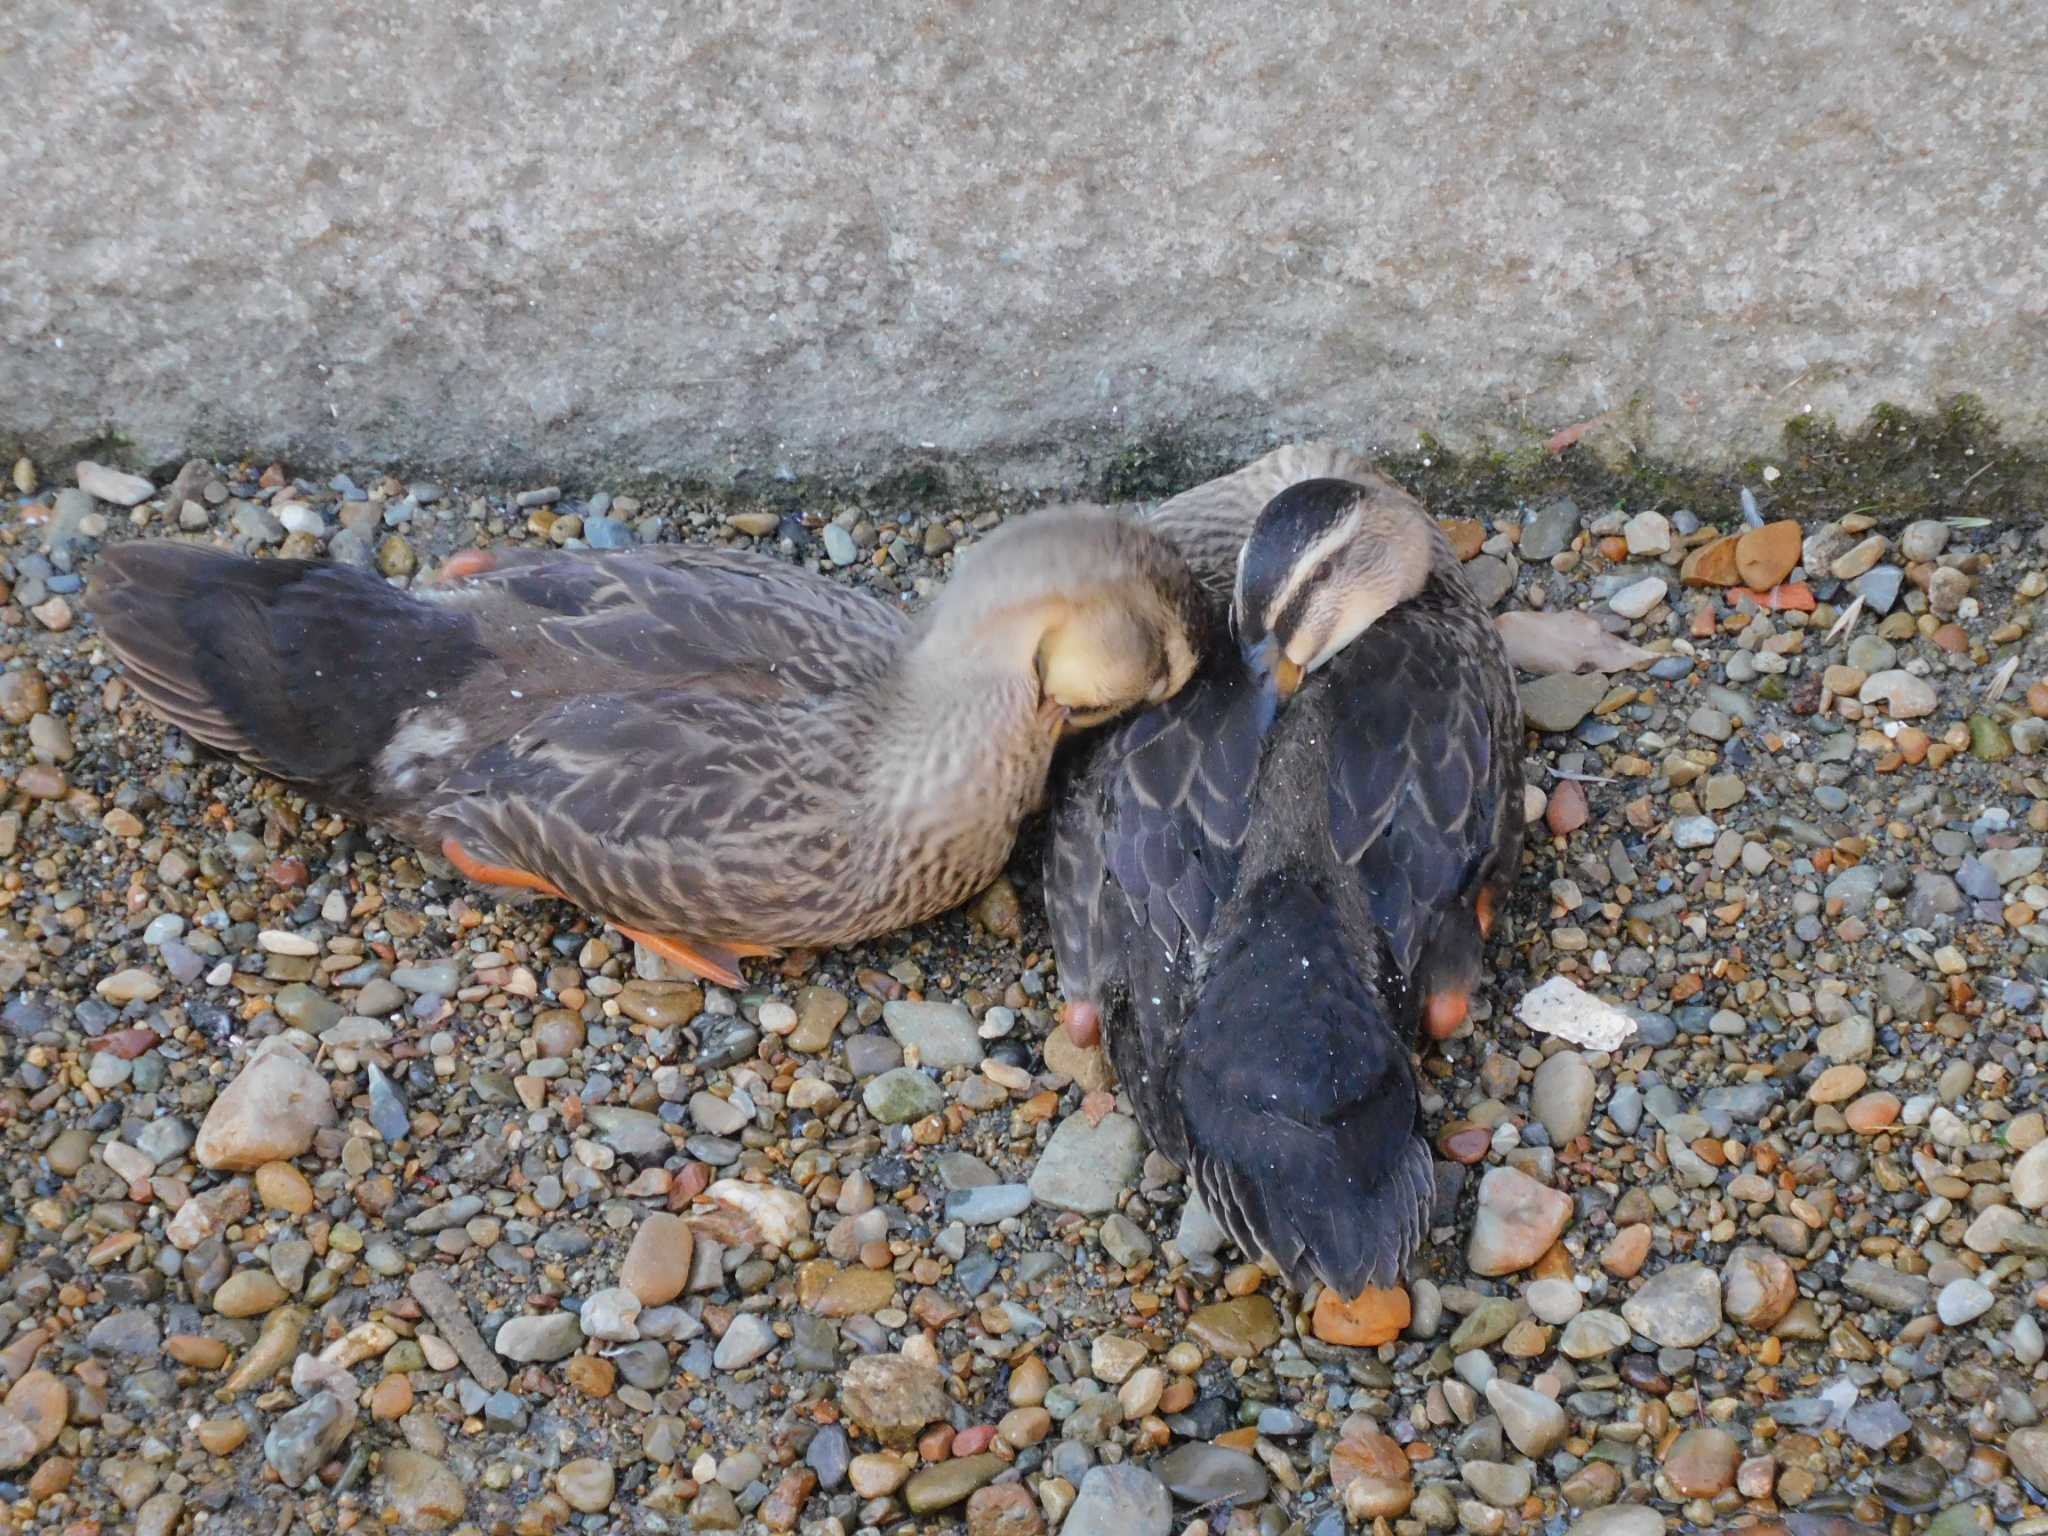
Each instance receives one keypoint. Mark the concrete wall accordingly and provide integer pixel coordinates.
(544, 236)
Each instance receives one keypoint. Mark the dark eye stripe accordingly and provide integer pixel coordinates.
(1291, 616)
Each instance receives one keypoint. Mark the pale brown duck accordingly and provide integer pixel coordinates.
(722, 754)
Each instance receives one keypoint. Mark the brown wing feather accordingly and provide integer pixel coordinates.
(678, 617)
(1211, 522)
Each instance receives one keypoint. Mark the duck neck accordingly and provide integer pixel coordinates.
(960, 711)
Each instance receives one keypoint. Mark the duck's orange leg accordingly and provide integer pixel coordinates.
(700, 957)
(1446, 1008)
(497, 874)
(469, 562)
(1083, 1023)
(1444, 1012)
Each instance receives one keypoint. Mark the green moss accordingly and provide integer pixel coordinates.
(1897, 467)
(1157, 466)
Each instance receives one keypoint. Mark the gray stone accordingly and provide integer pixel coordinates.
(631, 1133)
(1489, 579)
(1906, 994)
(902, 1095)
(1499, 1483)
(829, 1456)
(132, 1333)
(1549, 530)
(747, 1339)
(1678, 1308)
(1876, 1425)
(1199, 1234)
(304, 1440)
(1879, 588)
(1124, 1241)
(544, 1336)
(1619, 1520)
(2008, 865)
(1534, 1423)
(448, 1314)
(1962, 1301)
(1694, 832)
(1593, 1334)
(1855, 888)
(1885, 1286)
(611, 1315)
(165, 1138)
(942, 1034)
(1562, 1096)
(1560, 701)
(1714, 724)
(1197, 1473)
(2028, 1449)
(387, 1108)
(988, 1203)
(1121, 1500)
(438, 978)
(1085, 1167)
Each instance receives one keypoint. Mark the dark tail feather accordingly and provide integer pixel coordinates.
(297, 667)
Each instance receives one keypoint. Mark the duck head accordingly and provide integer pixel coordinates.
(1105, 612)
(1323, 562)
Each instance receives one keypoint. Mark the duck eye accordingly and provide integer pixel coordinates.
(1322, 571)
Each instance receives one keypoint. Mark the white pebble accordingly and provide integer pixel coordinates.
(1638, 597)
(2026, 1341)
(1962, 1301)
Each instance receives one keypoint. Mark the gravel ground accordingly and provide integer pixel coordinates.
(335, 1182)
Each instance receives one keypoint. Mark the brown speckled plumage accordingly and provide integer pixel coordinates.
(1257, 910)
(686, 741)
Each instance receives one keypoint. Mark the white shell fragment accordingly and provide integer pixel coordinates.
(1561, 1007)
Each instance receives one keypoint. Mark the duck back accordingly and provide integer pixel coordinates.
(1296, 1089)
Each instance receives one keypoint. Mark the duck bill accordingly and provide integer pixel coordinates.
(1276, 677)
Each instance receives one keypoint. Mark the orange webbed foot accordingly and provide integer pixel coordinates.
(1083, 1024)
(718, 963)
(1444, 1012)
(496, 874)
(1485, 911)
(469, 562)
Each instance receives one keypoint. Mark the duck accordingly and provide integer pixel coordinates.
(1264, 889)
(721, 754)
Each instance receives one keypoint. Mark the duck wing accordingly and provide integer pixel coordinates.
(669, 760)
(1211, 522)
(688, 810)
(678, 616)
(1148, 831)
(1423, 748)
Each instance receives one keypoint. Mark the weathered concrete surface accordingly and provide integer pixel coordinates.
(720, 235)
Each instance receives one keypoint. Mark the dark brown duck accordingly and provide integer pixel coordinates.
(1263, 888)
